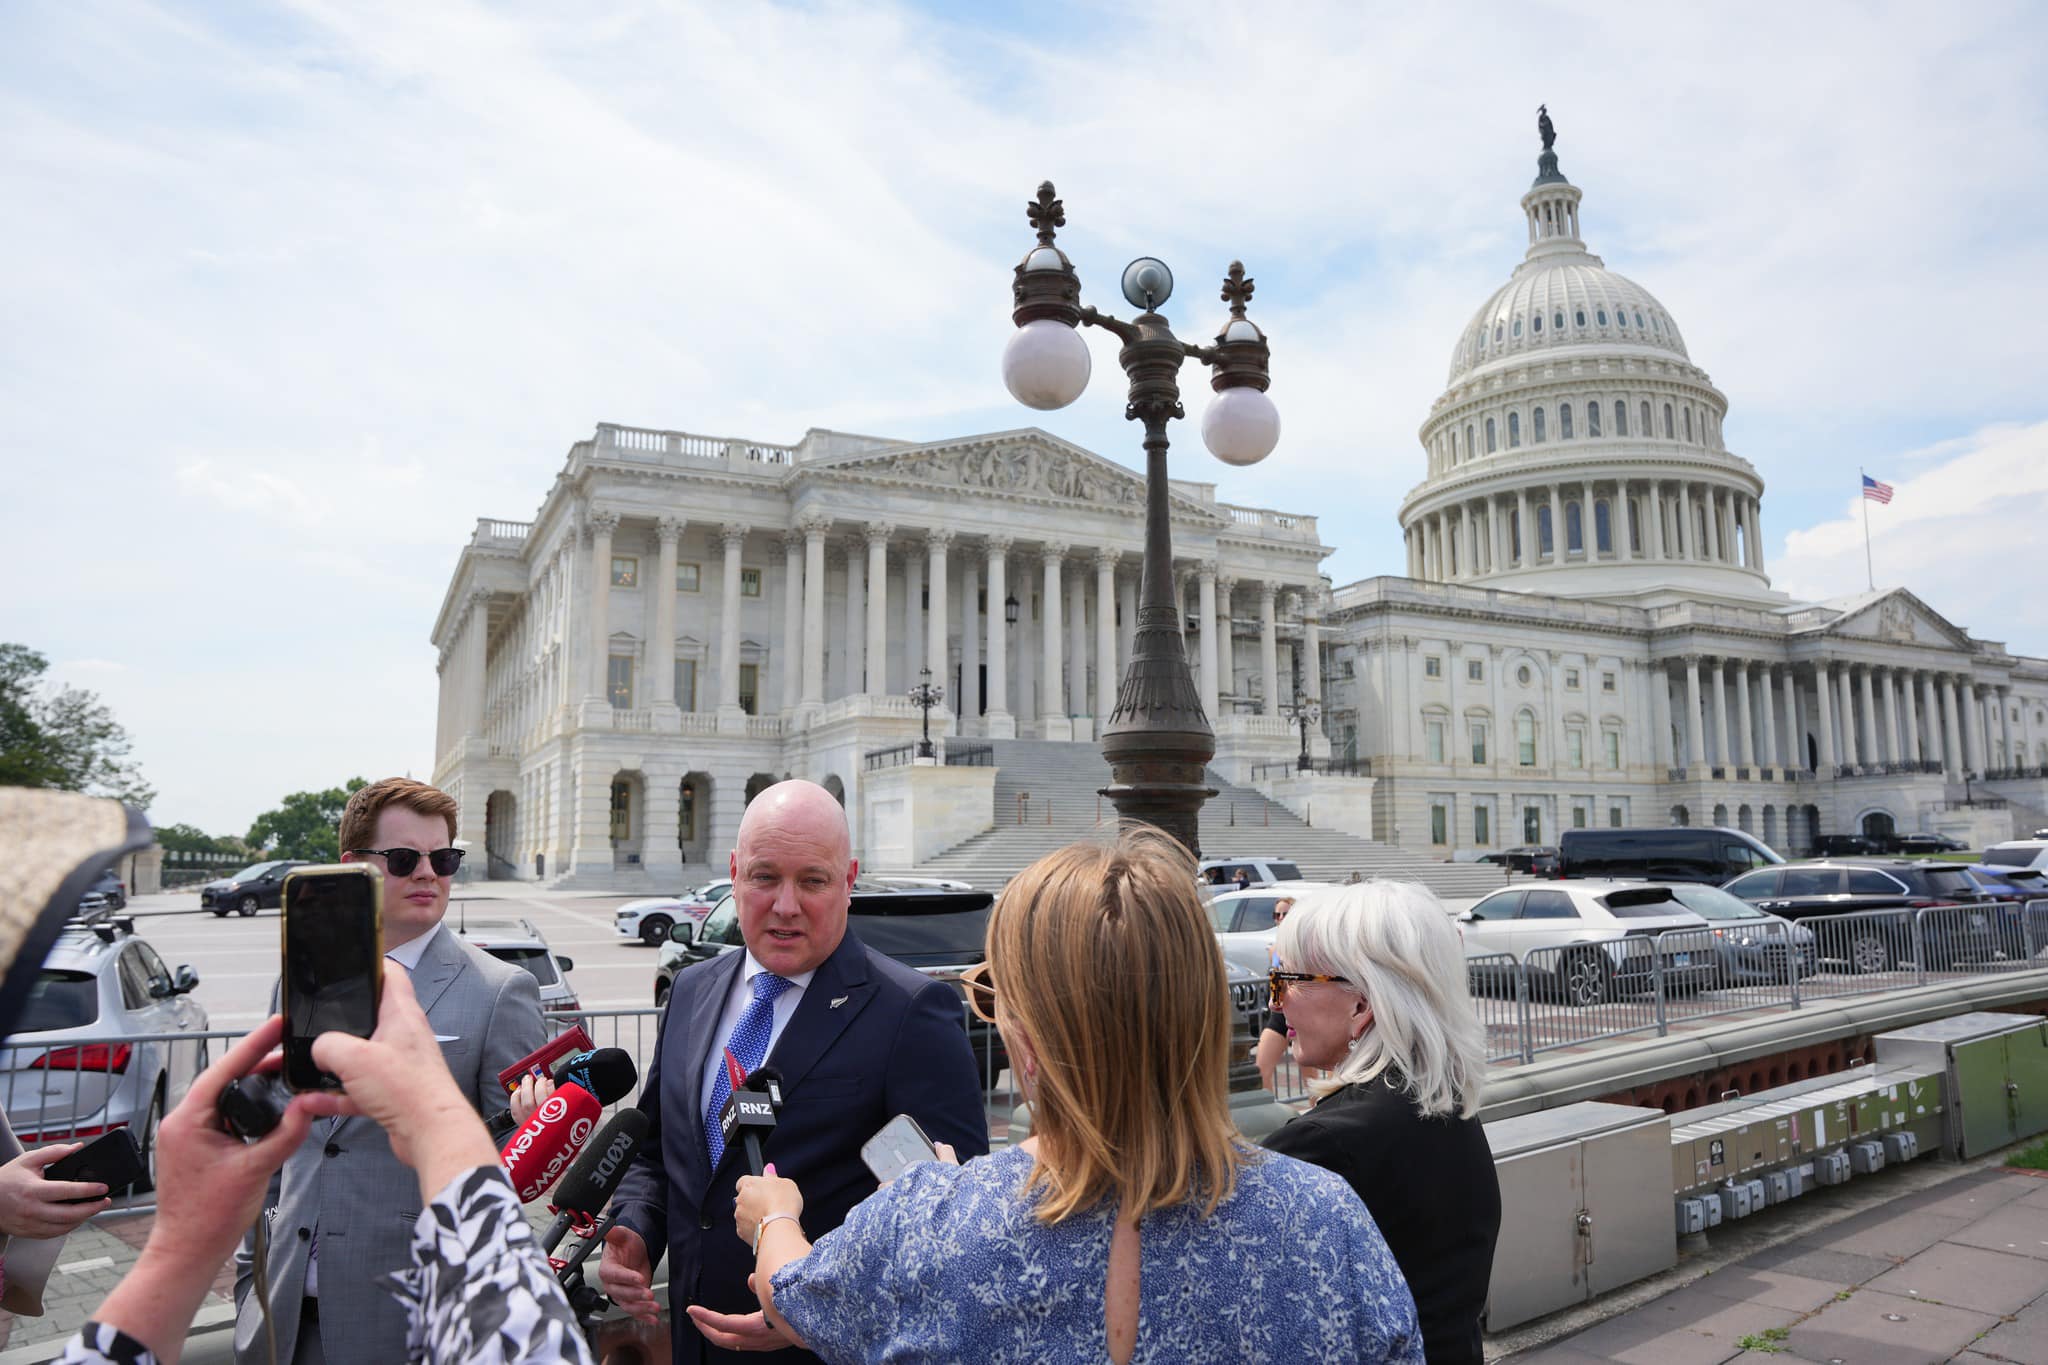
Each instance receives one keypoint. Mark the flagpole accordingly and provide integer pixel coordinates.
(1863, 494)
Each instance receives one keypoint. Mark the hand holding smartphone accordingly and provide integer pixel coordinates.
(110, 1159)
(333, 946)
(900, 1145)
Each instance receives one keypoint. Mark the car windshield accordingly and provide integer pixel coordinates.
(60, 1000)
(1711, 902)
(1948, 881)
(250, 874)
(710, 889)
(2017, 856)
(535, 960)
(1285, 872)
(952, 935)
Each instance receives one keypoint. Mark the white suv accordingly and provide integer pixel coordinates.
(520, 943)
(1243, 921)
(1222, 873)
(2031, 853)
(1591, 942)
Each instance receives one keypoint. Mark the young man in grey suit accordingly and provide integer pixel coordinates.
(341, 1211)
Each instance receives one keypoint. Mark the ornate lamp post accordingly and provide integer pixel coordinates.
(1307, 711)
(1157, 740)
(924, 697)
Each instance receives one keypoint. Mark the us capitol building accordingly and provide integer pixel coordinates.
(1586, 634)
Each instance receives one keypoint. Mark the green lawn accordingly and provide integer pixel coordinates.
(2034, 1158)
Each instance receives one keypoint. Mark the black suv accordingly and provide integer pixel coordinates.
(1972, 932)
(256, 887)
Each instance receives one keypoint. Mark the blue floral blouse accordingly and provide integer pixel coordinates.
(948, 1263)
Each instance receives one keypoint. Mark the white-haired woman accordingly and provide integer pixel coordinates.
(1373, 981)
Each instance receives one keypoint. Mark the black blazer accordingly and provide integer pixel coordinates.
(870, 1039)
(1430, 1185)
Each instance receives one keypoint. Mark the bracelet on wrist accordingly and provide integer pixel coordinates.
(762, 1227)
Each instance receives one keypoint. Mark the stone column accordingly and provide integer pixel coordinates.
(998, 723)
(1890, 702)
(1867, 716)
(1795, 742)
(1662, 754)
(732, 536)
(1930, 711)
(937, 627)
(1767, 710)
(476, 645)
(1653, 530)
(1912, 750)
(1269, 648)
(1845, 706)
(878, 533)
(661, 651)
(1951, 732)
(1051, 668)
(601, 525)
(1522, 529)
(1078, 703)
(1756, 535)
(814, 618)
(1127, 630)
(1107, 674)
(1695, 742)
(1687, 550)
(1559, 544)
(1720, 705)
(1414, 558)
(792, 617)
(1205, 610)
(969, 705)
(1823, 698)
(856, 621)
(1312, 664)
(913, 616)
(1744, 735)
(1973, 709)
(2001, 699)
(1226, 644)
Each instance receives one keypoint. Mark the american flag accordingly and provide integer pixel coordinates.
(1875, 491)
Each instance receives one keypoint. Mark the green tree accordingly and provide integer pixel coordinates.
(62, 737)
(304, 825)
(192, 839)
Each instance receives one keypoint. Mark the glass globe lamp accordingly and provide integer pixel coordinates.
(1241, 426)
(1046, 365)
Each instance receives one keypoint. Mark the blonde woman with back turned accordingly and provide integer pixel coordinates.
(1373, 981)
(1129, 1225)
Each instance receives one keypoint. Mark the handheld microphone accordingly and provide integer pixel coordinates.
(750, 1112)
(596, 1174)
(608, 1073)
(539, 1152)
(563, 1044)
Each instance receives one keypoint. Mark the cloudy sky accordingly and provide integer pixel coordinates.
(295, 292)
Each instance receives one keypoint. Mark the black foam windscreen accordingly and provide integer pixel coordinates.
(602, 1164)
(609, 1074)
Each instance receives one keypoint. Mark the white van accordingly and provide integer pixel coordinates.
(2018, 853)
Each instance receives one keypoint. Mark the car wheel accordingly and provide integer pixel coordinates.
(1868, 952)
(660, 994)
(146, 1139)
(248, 905)
(654, 930)
(1588, 980)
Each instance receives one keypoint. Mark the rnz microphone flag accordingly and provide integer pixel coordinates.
(541, 1150)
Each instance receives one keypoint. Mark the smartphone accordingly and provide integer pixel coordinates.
(111, 1158)
(900, 1145)
(333, 944)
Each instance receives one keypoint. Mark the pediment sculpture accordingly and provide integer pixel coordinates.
(1023, 467)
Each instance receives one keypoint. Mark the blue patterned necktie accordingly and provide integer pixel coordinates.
(749, 1047)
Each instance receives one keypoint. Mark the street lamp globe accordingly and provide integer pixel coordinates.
(1046, 365)
(1241, 426)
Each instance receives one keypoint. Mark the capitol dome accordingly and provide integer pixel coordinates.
(1576, 448)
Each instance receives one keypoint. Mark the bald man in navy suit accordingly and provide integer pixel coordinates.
(858, 1039)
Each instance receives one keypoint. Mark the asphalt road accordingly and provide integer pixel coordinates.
(237, 959)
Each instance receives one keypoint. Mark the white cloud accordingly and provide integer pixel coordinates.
(1963, 532)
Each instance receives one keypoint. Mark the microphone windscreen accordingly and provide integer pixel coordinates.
(607, 1073)
(596, 1174)
(543, 1148)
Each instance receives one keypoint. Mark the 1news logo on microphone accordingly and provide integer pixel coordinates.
(541, 1150)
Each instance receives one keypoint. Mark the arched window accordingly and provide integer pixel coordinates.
(1620, 418)
(1491, 444)
(1639, 318)
(1564, 421)
(1574, 528)
(1514, 430)
(1496, 332)
(1669, 433)
(1470, 449)
(1557, 319)
(1603, 533)
(1540, 435)
(1579, 318)
(1525, 739)
(1600, 316)
(1518, 327)
(1536, 323)
(1648, 429)
(1688, 424)
(1543, 535)
(1592, 419)
(1621, 316)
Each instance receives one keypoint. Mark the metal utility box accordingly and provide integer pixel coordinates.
(1744, 1138)
(1583, 1187)
(1997, 1066)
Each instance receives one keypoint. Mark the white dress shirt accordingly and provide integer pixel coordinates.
(736, 1001)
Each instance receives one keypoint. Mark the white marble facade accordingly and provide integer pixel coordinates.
(1587, 634)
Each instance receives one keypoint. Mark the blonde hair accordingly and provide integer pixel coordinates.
(1106, 962)
(1395, 942)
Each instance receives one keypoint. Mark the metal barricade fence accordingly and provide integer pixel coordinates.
(1500, 997)
(1584, 991)
(1861, 952)
(1731, 967)
(1970, 940)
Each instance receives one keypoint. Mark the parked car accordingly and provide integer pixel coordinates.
(1923, 843)
(96, 1047)
(1539, 860)
(1872, 943)
(2018, 853)
(2008, 883)
(1675, 853)
(1243, 921)
(109, 893)
(1590, 943)
(1843, 846)
(1751, 946)
(916, 884)
(256, 887)
(939, 933)
(1257, 871)
(519, 942)
(651, 919)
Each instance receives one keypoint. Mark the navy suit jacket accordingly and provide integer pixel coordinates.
(870, 1039)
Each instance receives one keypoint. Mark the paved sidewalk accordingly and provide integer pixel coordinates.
(1955, 1272)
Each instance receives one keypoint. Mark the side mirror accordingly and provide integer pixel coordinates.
(186, 979)
(1468, 918)
(567, 964)
(160, 988)
(683, 931)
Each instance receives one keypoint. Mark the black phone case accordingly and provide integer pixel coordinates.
(111, 1158)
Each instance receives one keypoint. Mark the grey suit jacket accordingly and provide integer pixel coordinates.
(346, 1182)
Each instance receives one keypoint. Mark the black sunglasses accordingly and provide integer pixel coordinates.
(402, 861)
